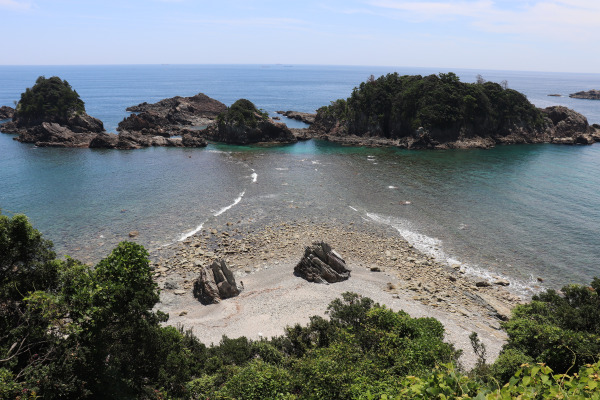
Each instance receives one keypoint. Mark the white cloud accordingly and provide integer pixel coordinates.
(565, 19)
(15, 5)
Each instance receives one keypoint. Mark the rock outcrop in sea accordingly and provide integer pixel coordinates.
(244, 124)
(6, 112)
(77, 130)
(215, 284)
(307, 118)
(321, 264)
(588, 95)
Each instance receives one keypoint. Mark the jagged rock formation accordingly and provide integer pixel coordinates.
(307, 118)
(321, 264)
(6, 112)
(195, 111)
(589, 95)
(215, 284)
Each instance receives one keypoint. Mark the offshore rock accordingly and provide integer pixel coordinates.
(104, 141)
(264, 132)
(196, 110)
(146, 123)
(215, 284)
(193, 139)
(6, 112)
(307, 118)
(321, 264)
(54, 135)
(589, 95)
(77, 130)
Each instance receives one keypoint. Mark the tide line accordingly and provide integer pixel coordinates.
(222, 210)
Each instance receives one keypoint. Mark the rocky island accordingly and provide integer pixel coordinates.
(589, 95)
(244, 124)
(52, 114)
(412, 112)
(440, 112)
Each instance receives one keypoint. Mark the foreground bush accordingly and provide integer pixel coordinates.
(73, 332)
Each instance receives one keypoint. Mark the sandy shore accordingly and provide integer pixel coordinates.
(384, 267)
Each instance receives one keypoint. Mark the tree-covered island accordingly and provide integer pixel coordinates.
(410, 111)
(440, 111)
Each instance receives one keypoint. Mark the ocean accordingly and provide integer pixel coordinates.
(520, 212)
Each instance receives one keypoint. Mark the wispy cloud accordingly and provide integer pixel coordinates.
(259, 22)
(15, 5)
(567, 18)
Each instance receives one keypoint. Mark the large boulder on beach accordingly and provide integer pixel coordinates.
(321, 264)
(215, 284)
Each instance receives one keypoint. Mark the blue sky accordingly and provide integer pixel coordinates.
(543, 35)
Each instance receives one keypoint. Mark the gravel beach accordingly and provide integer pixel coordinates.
(384, 267)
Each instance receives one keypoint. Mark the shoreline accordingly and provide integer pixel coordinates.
(384, 267)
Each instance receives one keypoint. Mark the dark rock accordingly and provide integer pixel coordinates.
(192, 139)
(6, 112)
(205, 288)
(215, 284)
(307, 118)
(264, 132)
(54, 135)
(483, 284)
(196, 110)
(321, 264)
(589, 95)
(104, 141)
(146, 123)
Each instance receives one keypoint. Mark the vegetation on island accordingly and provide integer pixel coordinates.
(68, 330)
(242, 113)
(50, 99)
(394, 106)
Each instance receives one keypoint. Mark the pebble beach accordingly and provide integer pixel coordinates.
(384, 267)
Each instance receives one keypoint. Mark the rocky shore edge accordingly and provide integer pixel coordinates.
(263, 260)
(563, 126)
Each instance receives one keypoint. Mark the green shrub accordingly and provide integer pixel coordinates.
(242, 113)
(562, 331)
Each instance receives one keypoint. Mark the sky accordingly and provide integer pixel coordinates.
(542, 35)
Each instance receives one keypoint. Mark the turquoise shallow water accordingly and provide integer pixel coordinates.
(517, 211)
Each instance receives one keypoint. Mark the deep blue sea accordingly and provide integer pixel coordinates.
(521, 212)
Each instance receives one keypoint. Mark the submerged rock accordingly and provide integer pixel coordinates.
(215, 284)
(321, 264)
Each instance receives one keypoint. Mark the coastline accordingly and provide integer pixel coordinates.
(384, 267)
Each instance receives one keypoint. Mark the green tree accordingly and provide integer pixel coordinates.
(50, 99)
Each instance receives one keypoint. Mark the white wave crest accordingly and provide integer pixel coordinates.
(191, 233)
(222, 210)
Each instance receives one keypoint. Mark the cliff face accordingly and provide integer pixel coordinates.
(441, 112)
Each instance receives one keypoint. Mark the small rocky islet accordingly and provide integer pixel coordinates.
(587, 95)
(431, 112)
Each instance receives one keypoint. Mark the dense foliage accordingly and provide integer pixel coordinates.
(562, 330)
(395, 106)
(75, 332)
(242, 113)
(50, 99)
